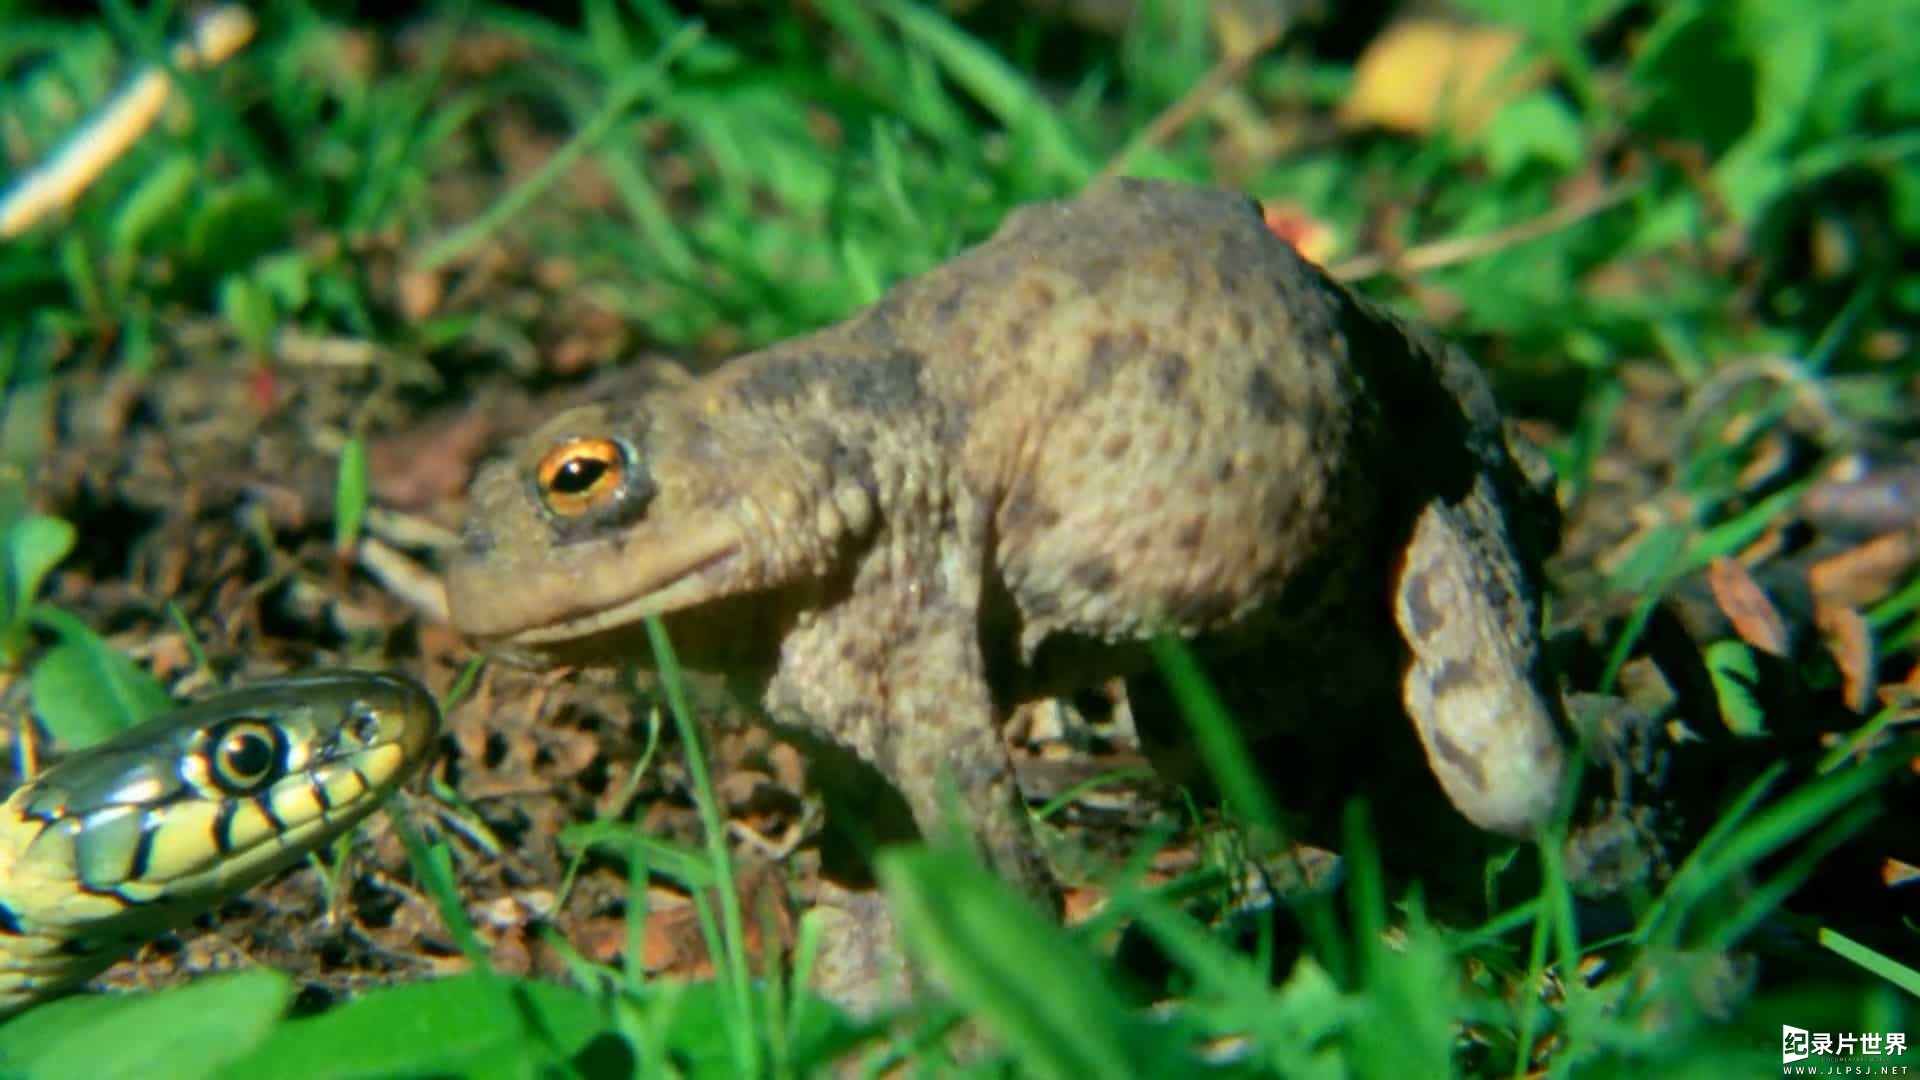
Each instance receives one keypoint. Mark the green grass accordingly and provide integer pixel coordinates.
(759, 175)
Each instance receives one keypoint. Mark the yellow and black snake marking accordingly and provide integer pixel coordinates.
(139, 834)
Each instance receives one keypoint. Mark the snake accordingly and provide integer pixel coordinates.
(137, 835)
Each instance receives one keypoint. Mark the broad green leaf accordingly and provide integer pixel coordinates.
(161, 193)
(188, 1032)
(84, 690)
(1538, 127)
(287, 278)
(1790, 46)
(467, 1025)
(26, 404)
(34, 545)
(237, 224)
(1736, 675)
(248, 308)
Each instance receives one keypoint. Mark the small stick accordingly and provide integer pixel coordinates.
(1181, 113)
(1441, 253)
(87, 153)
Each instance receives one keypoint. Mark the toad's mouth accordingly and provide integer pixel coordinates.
(565, 604)
(692, 585)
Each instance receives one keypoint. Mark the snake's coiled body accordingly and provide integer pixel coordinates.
(126, 839)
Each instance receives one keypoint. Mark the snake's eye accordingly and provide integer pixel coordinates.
(247, 756)
(581, 474)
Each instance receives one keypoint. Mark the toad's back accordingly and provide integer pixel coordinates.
(1157, 398)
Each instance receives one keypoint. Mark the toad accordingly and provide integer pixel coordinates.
(1130, 413)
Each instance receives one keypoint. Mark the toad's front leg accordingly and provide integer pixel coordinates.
(896, 676)
(920, 712)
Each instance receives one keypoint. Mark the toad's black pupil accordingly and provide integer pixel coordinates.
(577, 475)
(248, 755)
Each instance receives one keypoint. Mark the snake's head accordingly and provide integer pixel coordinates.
(195, 805)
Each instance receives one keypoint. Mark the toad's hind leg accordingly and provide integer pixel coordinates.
(1477, 685)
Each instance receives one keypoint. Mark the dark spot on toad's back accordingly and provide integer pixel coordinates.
(849, 462)
(950, 304)
(1103, 359)
(1115, 446)
(1170, 373)
(1190, 534)
(888, 384)
(1097, 271)
(1108, 352)
(1224, 471)
(1263, 397)
(1203, 608)
(883, 384)
(787, 378)
(1095, 575)
(1019, 332)
(1239, 262)
(1024, 512)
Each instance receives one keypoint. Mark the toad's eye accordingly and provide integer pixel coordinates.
(581, 474)
(247, 756)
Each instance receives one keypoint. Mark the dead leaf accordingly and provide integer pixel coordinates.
(1313, 237)
(602, 938)
(1081, 903)
(674, 945)
(415, 467)
(420, 293)
(1904, 697)
(1849, 640)
(1746, 606)
(1869, 572)
(1425, 74)
(509, 953)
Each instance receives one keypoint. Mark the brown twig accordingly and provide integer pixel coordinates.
(1181, 113)
(1441, 253)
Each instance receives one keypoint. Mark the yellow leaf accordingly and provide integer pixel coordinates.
(1425, 74)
